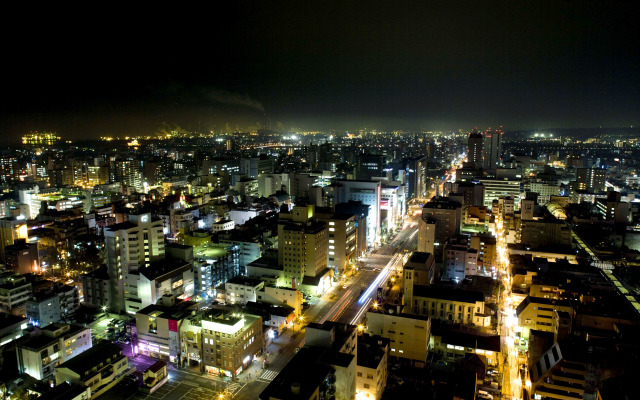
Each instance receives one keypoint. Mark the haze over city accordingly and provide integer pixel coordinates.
(292, 65)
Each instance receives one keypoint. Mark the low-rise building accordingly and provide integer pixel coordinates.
(55, 344)
(14, 293)
(230, 341)
(453, 343)
(158, 328)
(96, 288)
(408, 334)
(241, 289)
(11, 327)
(542, 314)
(449, 304)
(60, 303)
(98, 368)
(372, 366)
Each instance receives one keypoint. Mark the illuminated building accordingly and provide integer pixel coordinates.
(14, 293)
(241, 289)
(130, 246)
(447, 304)
(158, 328)
(230, 341)
(10, 230)
(9, 169)
(41, 138)
(369, 193)
(60, 303)
(496, 188)
(22, 257)
(542, 314)
(127, 172)
(372, 368)
(302, 249)
(342, 245)
(408, 333)
(591, 179)
(57, 343)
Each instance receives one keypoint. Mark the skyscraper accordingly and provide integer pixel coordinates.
(474, 152)
(491, 149)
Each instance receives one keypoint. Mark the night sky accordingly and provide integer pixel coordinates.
(322, 65)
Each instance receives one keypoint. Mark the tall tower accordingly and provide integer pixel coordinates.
(491, 149)
(474, 152)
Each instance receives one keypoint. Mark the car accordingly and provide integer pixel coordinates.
(123, 340)
(492, 372)
(344, 286)
(523, 342)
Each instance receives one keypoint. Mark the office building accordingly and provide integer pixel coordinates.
(592, 180)
(491, 149)
(14, 293)
(369, 193)
(441, 219)
(541, 314)
(22, 257)
(343, 241)
(242, 289)
(60, 303)
(474, 149)
(302, 249)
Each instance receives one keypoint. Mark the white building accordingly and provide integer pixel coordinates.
(56, 344)
(130, 246)
(368, 192)
(242, 289)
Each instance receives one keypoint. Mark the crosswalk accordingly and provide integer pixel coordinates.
(268, 375)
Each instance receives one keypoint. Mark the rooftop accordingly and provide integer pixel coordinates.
(245, 281)
(99, 353)
(447, 293)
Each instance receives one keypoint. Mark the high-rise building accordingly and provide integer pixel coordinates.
(302, 245)
(9, 169)
(491, 149)
(127, 172)
(369, 165)
(130, 246)
(443, 215)
(591, 179)
(474, 151)
(368, 192)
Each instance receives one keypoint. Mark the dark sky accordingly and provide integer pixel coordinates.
(320, 65)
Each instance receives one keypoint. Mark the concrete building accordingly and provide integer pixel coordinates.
(460, 260)
(441, 219)
(11, 327)
(418, 270)
(14, 293)
(99, 368)
(372, 368)
(540, 234)
(496, 188)
(448, 304)
(474, 149)
(158, 328)
(302, 250)
(22, 257)
(491, 149)
(230, 341)
(555, 377)
(343, 242)
(269, 184)
(96, 288)
(46, 307)
(453, 344)
(541, 314)
(408, 334)
(282, 296)
(242, 289)
(369, 193)
(130, 246)
(591, 179)
(55, 344)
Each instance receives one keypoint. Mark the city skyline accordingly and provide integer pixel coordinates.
(292, 66)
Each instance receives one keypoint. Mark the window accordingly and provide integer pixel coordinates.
(369, 376)
(366, 386)
(360, 374)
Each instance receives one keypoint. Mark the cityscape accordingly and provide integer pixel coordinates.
(343, 203)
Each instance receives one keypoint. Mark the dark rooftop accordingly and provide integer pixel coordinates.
(245, 281)
(371, 350)
(447, 293)
(99, 353)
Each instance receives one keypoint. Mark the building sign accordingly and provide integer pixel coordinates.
(173, 325)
